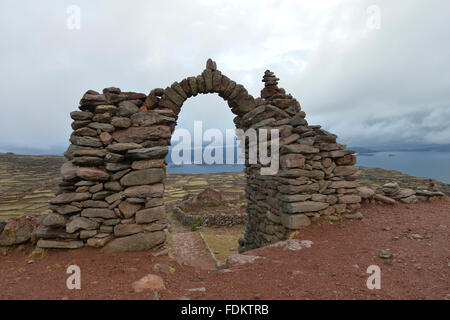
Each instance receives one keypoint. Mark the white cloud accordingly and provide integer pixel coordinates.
(368, 86)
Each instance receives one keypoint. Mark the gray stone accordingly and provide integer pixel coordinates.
(365, 192)
(78, 223)
(122, 230)
(298, 120)
(101, 195)
(128, 209)
(150, 214)
(68, 171)
(146, 164)
(99, 242)
(59, 244)
(150, 119)
(298, 148)
(319, 197)
(18, 235)
(305, 206)
(98, 213)
(114, 197)
(84, 234)
(293, 173)
(147, 153)
(86, 141)
(51, 233)
(343, 184)
(292, 189)
(384, 199)
(67, 209)
(111, 222)
(122, 147)
(101, 126)
(141, 177)
(54, 220)
(114, 157)
(116, 166)
(351, 198)
(113, 186)
(343, 171)
(136, 242)
(155, 190)
(127, 108)
(92, 174)
(121, 122)
(70, 197)
(154, 202)
(295, 221)
(81, 115)
(88, 161)
(94, 204)
(404, 193)
(409, 200)
(100, 153)
(293, 197)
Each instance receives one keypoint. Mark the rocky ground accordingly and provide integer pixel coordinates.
(414, 238)
(408, 242)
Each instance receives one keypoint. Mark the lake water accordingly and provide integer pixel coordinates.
(429, 164)
(434, 165)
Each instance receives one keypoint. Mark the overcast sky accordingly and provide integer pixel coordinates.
(369, 83)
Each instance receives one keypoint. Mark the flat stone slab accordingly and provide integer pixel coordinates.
(54, 244)
(293, 244)
(240, 259)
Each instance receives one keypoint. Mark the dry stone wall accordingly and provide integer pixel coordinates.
(112, 188)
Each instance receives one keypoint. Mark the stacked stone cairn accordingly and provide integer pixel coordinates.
(391, 193)
(317, 176)
(112, 191)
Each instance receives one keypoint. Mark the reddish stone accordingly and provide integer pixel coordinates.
(139, 134)
(210, 64)
(349, 159)
(151, 99)
(269, 91)
(185, 86)
(166, 103)
(134, 95)
(293, 160)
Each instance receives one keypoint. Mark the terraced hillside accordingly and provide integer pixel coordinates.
(28, 182)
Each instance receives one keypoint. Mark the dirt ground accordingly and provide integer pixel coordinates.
(334, 267)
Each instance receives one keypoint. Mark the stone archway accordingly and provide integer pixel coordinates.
(113, 184)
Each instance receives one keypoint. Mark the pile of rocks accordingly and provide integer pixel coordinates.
(210, 208)
(406, 195)
(113, 184)
(391, 193)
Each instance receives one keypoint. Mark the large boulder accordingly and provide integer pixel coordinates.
(19, 230)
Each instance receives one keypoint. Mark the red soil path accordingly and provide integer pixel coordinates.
(333, 268)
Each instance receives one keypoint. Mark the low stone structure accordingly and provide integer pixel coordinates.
(209, 219)
(113, 182)
(391, 193)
